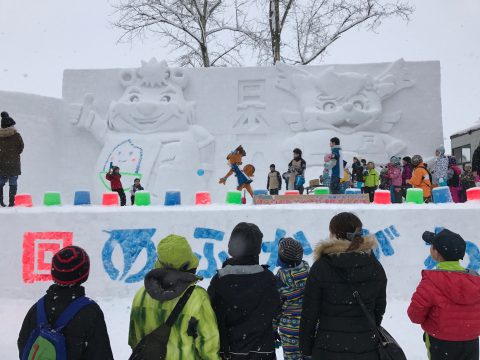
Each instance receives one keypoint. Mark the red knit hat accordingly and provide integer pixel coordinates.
(70, 265)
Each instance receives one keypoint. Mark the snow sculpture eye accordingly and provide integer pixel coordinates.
(329, 106)
(358, 104)
(134, 98)
(165, 98)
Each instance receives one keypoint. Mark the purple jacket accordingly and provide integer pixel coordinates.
(406, 173)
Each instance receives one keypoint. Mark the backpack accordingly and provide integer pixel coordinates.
(429, 174)
(154, 345)
(47, 342)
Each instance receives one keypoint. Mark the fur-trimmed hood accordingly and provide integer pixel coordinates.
(7, 132)
(338, 246)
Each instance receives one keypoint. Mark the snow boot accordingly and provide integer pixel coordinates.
(2, 204)
(13, 192)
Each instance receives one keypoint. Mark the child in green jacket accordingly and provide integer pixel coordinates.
(372, 179)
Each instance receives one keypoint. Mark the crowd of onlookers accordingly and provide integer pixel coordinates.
(330, 310)
(397, 176)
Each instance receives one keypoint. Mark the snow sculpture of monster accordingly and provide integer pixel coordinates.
(149, 132)
(344, 104)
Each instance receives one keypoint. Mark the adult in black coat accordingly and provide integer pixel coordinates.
(11, 146)
(86, 334)
(333, 326)
(245, 299)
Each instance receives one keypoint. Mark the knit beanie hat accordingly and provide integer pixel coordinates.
(290, 251)
(441, 150)
(70, 265)
(174, 252)
(395, 160)
(7, 121)
(245, 240)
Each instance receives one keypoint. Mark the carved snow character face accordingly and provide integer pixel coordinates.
(343, 101)
(153, 101)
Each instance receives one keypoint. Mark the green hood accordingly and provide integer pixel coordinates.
(174, 252)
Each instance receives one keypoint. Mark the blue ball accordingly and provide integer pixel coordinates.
(200, 172)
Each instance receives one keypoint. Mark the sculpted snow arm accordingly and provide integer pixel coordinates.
(84, 116)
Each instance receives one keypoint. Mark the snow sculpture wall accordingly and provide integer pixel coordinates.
(377, 110)
(164, 124)
(122, 242)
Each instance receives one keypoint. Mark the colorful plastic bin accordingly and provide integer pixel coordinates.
(415, 196)
(234, 197)
(81, 197)
(382, 197)
(203, 198)
(353, 191)
(110, 199)
(260, 192)
(441, 195)
(291, 192)
(172, 198)
(23, 200)
(473, 194)
(322, 190)
(52, 198)
(142, 198)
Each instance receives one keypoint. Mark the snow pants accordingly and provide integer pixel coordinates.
(451, 350)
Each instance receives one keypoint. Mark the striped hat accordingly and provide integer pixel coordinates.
(70, 266)
(290, 251)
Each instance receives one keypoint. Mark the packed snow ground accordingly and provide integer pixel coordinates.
(117, 313)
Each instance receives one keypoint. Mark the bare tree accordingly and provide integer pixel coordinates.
(300, 31)
(202, 32)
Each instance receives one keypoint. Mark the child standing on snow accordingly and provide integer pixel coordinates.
(116, 184)
(372, 179)
(453, 176)
(291, 280)
(467, 181)
(447, 301)
(135, 187)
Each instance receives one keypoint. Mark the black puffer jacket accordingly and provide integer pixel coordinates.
(333, 326)
(86, 335)
(246, 300)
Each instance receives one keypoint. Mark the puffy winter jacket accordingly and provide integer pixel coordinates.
(195, 333)
(245, 298)
(407, 172)
(11, 146)
(394, 173)
(85, 335)
(333, 325)
(440, 169)
(115, 182)
(421, 179)
(372, 178)
(447, 304)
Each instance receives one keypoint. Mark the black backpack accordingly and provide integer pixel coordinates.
(154, 345)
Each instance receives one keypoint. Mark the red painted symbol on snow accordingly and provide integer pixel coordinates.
(38, 250)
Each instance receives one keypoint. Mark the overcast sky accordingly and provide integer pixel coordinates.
(39, 39)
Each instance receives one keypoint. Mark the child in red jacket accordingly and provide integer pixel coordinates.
(116, 184)
(447, 301)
